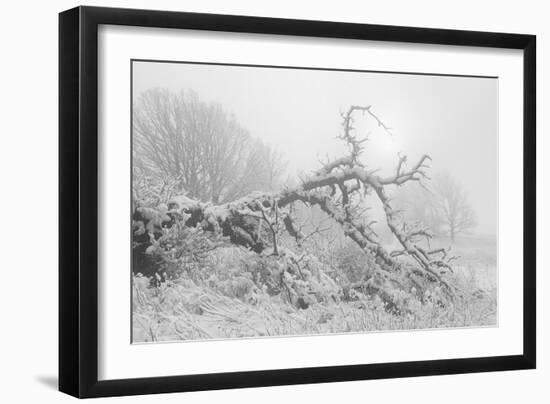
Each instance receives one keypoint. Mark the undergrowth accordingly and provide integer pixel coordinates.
(230, 295)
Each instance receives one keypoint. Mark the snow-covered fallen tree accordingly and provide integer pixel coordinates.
(339, 189)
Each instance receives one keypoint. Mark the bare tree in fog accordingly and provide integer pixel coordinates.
(416, 204)
(452, 205)
(261, 170)
(200, 145)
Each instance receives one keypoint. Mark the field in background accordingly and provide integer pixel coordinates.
(477, 259)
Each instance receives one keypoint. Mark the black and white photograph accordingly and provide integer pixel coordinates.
(274, 201)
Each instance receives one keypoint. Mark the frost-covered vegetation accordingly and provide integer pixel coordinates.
(222, 248)
(234, 293)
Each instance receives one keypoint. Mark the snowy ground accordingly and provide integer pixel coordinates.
(189, 310)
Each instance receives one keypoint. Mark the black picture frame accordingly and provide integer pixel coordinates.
(78, 201)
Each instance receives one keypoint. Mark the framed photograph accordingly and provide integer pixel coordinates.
(251, 201)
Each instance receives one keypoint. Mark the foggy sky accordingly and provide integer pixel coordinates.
(453, 119)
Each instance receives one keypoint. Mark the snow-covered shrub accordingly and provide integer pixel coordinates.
(182, 249)
(151, 189)
(353, 263)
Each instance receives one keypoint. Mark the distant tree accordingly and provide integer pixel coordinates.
(453, 207)
(417, 204)
(261, 169)
(201, 146)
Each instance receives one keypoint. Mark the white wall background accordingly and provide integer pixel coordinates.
(28, 201)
